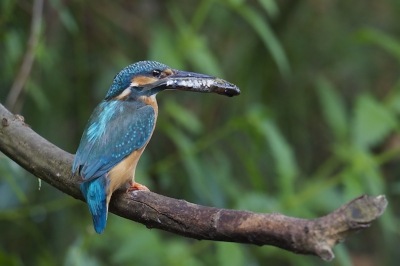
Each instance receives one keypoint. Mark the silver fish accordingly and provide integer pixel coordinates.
(199, 84)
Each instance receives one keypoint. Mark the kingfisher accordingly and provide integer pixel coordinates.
(121, 126)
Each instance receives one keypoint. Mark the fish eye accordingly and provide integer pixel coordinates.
(156, 73)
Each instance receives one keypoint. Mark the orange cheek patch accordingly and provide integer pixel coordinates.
(168, 72)
(142, 80)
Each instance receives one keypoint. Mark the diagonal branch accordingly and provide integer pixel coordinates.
(316, 236)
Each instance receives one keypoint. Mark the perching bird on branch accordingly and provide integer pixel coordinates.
(121, 126)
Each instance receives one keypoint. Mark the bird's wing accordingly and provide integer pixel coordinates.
(112, 133)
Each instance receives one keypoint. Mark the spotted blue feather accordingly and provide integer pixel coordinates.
(123, 123)
(115, 130)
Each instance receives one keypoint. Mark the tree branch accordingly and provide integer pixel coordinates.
(316, 236)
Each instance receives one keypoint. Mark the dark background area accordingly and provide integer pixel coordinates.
(316, 125)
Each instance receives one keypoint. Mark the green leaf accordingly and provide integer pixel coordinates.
(236, 2)
(343, 256)
(132, 248)
(385, 41)
(65, 16)
(352, 184)
(8, 171)
(194, 46)
(6, 11)
(281, 150)
(332, 107)
(258, 202)
(229, 254)
(13, 46)
(184, 117)
(264, 31)
(202, 11)
(283, 155)
(77, 255)
(363, 174)
(11, 259)
(392, 99)
(372, 122)
(163, 47)
(254, 174)
(367, 170)
(270, 7)
(194, 167)
(38, 96)
(179, 253)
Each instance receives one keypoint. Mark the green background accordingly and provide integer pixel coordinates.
(316, 125)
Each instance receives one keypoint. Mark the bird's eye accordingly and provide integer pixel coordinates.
(156, 73)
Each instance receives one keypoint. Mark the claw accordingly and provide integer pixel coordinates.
(136, 186)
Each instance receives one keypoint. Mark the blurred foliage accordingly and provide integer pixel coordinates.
(316, 125)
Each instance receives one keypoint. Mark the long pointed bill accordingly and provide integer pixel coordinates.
(189, 81)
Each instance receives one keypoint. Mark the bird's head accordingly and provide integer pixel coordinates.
(146, 78)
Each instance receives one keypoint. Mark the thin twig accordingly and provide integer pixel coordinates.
(29, 56)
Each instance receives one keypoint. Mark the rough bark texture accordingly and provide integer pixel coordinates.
(316, 236)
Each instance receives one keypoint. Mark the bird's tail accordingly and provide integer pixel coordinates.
(95, 194)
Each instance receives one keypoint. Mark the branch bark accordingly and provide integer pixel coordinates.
(315, 236)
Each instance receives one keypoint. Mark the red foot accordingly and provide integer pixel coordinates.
(136, 186)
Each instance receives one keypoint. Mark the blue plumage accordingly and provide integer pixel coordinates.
(96, 198)
(121, 126)
(114, 131)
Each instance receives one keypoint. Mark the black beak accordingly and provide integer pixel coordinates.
(189, 81)
(185, 74)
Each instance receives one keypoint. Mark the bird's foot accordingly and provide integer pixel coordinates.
(136, 186)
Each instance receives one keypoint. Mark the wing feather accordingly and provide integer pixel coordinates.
(115, 130)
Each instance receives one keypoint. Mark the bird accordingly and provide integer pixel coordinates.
(121, 126)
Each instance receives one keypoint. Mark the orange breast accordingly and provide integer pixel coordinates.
(151, 101)
(124, 172)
